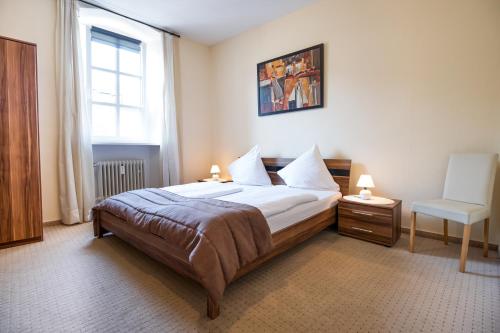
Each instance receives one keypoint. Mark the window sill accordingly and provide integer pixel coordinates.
(125, 144)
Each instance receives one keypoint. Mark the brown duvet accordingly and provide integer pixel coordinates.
(216, 237)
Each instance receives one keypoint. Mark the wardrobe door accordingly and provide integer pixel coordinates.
(20, 198)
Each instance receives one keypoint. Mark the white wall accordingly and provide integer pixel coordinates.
(407, 83)
(34, 21)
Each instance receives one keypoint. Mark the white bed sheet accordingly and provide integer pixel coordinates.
(204, 190)
(270, 200)
(326, 199)
(301, 212)
(252, 195)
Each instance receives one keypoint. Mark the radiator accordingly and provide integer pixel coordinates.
(113, 177)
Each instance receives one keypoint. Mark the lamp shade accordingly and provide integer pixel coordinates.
(365, 181)
(215, 169)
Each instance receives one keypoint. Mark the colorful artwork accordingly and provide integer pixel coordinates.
(292, 82)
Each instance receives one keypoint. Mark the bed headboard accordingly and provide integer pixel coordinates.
(340, 170)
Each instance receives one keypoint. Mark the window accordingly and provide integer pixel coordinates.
(117, 86)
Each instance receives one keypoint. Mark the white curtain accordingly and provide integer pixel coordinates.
(76, 174)
(170, 141)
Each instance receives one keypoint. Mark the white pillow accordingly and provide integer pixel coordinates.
(309, 171)
(249, 169)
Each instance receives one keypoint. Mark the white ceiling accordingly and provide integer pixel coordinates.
(205, 21)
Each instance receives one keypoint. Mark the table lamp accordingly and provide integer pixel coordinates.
(365, 181)
(215, 170)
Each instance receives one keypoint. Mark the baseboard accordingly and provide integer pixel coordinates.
(21, 242)
(421, 233)
(451, 239)
(54, 222)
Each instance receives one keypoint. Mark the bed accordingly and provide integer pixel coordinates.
(288, 226)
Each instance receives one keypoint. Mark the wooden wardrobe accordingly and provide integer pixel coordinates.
(20, 197)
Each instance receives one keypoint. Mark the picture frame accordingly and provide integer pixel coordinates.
(291, 82)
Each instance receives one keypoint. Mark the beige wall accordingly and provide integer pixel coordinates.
(34, 21)
(407, 83)
(194, 98)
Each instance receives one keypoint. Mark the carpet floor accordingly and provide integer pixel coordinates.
(72, 282)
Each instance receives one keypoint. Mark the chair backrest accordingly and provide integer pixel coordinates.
(470, 178)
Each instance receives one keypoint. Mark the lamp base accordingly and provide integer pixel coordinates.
(365, 194)
(215, 176)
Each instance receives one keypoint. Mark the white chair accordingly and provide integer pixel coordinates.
(468, 191)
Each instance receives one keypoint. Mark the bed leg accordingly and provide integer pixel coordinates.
(99, 231)
(96, 228)
(213, 309)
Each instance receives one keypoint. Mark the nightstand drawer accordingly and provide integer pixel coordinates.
(366, 207)
(366, 230)
(369, 215)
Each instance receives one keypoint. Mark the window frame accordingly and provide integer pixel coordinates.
(118, 138)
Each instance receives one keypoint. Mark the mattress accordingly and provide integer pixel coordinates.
(305, 203)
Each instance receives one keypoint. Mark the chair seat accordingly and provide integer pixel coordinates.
(462, 212)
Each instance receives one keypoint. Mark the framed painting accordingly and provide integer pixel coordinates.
(293, 82)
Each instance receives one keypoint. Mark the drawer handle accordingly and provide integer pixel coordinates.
(362, 212)
(361, 229)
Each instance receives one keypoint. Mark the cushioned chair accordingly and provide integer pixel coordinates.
(468, 191)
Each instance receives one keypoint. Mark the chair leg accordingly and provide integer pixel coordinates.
(465, 247)
(445, 231)
(413, 226)
(485, 237)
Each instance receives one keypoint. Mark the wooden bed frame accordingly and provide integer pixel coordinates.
(160, 250)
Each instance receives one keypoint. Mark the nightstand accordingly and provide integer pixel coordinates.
(221, 180)
(374, 223)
